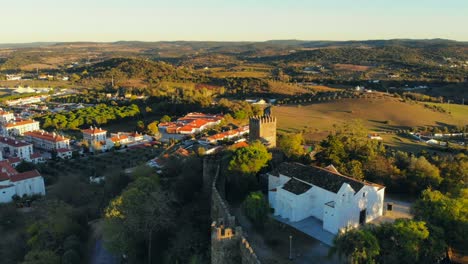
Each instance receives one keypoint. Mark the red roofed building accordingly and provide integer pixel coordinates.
(19, 127)
(48, 141)
(6, 117)
(191, 123)
(225, 135)
(94, 134)
(11, 147)
(14, 183)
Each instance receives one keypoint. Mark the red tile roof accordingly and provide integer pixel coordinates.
(93, 131)
(46, 136)
(6, 167)
(5, 186)
(241, 144)
(4, 113)
(36, 155)
(13, 142)
(20, 123)
(25, 176)
(4, 176)
(62, 150)
(13, 160)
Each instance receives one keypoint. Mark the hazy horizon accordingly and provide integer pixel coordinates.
(221, 20)
(227, 41)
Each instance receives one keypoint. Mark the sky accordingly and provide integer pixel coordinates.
(234, 20)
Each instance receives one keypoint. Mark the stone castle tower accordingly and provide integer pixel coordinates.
(263, 128)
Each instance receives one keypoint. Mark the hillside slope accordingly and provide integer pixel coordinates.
(376, 114)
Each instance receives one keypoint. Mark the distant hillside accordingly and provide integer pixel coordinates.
(135, 68)
(378, 114)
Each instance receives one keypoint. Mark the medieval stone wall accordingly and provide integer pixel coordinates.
(228, 244)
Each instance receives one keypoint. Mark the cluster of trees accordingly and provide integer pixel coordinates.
(96, 115)
(239, 110)
(404, 241)
(122, 69)
(440, 221)
(422, 97)
(352, 153)
(147, 222)
(242, 168)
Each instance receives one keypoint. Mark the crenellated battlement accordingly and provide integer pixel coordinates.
(263, 119)
(228, 243)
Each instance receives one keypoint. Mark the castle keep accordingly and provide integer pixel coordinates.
(263, 128)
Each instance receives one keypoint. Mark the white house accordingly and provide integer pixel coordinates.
(94, 134)
(6, 117)
(47, 141)
(20, 184)
(297, 191)
(18, 128)
(10, 147)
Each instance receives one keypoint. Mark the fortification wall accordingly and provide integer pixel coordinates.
(228, 243)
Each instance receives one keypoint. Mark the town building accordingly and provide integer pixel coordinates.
(191, 123)
(13, 77)
(11, 147)
(13, 183)
(94, 134)
(25, 100)
(19, 127)
(47, 141)
(6, 117)
(230, 134)
(124, 139)
(263, 128)
(297, 192)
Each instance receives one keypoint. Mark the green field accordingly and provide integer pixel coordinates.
(379, 115)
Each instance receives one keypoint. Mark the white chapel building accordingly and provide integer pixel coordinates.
(298, 191)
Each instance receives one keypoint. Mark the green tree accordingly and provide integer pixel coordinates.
(251, 159)
(291, 145)
(135, 217)
(165, 118)
(256, 208)
(359, 246)
(153, 128)
(422, 174)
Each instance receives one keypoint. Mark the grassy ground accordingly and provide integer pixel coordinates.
(380, 115)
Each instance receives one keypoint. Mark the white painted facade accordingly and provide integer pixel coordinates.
(13, 183)
(6, 117)
(338, 211)
(19, 128)
(32, 186)
(10, 147)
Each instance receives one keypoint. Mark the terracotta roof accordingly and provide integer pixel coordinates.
(6, 167)
(46, 136)
(62, 150)
(36, 155)
(20, 123)
(320, 177)
(13, 142)
(25, 175)
(6, 186)
(93, 131)
(241, 144)
(4, 176)
(5, 113)
(119, 138)
(13, 160)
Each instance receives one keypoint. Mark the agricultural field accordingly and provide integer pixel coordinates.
(380, 115)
